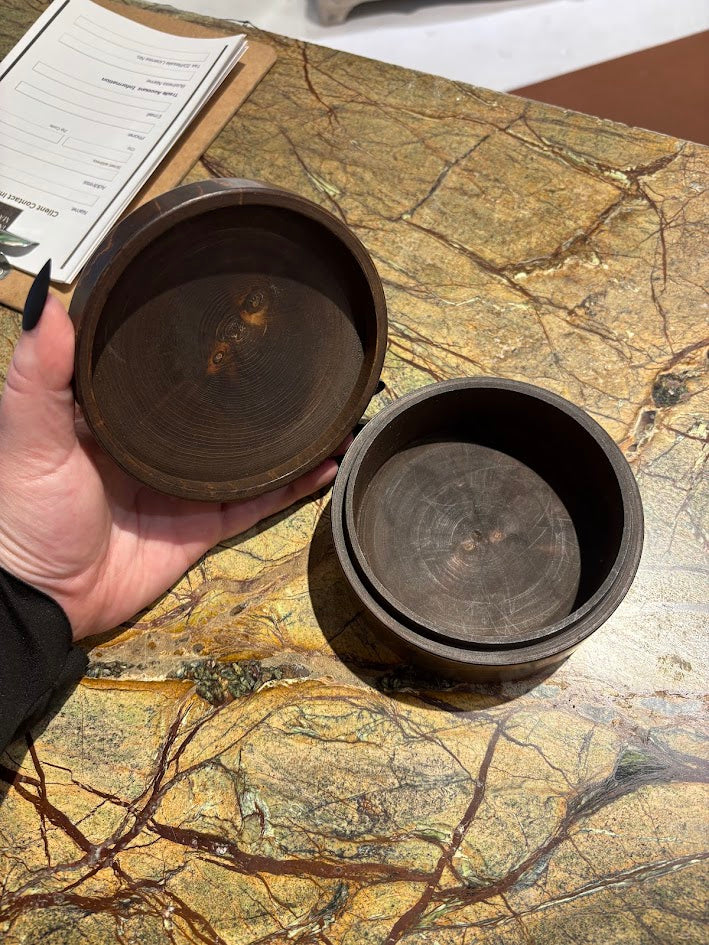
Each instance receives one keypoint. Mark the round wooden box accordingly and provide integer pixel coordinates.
(229, 336)
(486, 526)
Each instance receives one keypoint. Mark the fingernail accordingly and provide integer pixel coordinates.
(36, 297)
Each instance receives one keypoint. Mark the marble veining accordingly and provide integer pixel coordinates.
(245, 763)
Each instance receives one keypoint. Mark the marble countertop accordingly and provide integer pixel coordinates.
(245, 763)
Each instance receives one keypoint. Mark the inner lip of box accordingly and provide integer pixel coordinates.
(470, 541)
(528, 526)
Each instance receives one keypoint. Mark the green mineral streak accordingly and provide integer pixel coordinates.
(215, 681)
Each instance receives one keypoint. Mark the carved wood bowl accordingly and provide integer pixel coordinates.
(487, 526)
(229, 336)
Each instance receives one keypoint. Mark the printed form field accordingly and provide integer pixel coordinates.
(89, 103)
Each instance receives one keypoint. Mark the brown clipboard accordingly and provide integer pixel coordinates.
(251, 68)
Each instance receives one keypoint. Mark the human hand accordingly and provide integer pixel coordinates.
(73, 524)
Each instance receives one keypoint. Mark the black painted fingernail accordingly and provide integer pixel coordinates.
(36, 297)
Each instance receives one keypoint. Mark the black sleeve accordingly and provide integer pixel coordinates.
(37, 657)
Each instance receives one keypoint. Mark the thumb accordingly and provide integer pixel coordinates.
(37, 407)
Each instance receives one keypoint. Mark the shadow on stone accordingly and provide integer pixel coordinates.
(12, 758)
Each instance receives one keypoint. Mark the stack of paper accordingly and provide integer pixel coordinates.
(90, 103)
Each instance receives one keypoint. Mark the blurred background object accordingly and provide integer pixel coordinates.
(521, 45)
(335, 11)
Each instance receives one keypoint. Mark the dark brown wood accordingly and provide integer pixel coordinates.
(486, 526)
(229, 336)
(665, 88)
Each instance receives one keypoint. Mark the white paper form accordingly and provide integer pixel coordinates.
(90, 102)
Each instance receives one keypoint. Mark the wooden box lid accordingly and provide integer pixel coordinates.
(229, 336)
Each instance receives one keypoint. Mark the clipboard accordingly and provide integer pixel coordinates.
(248, 72)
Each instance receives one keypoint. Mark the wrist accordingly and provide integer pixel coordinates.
(16, 566)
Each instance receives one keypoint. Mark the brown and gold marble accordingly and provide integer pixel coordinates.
(246, 763)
